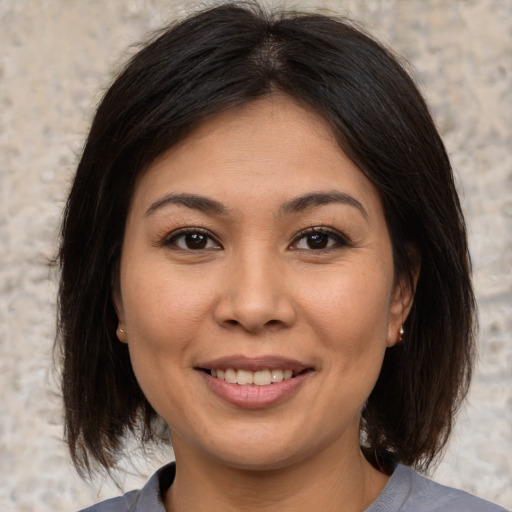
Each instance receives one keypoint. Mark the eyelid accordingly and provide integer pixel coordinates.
(343, 240)
(168, 239)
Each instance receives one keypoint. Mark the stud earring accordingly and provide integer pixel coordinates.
(400, 337)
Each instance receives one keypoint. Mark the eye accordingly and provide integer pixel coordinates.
(319, 239)
(192, 239)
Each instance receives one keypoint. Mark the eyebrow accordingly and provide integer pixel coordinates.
(296, 205)
(315, 199)
(193, 201)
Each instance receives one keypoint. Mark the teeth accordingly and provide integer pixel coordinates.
(230, 376)
(246, 377)
(276, 375)
(262, 378)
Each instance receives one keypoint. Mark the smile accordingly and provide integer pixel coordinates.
(247, 377)
(254, 382)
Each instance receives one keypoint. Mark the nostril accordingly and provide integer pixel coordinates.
(270, 324)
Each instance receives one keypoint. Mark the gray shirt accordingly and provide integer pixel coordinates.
(406, 491)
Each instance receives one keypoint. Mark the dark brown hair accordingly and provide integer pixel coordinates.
(212, 61)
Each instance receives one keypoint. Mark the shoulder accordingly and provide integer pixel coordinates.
(120, 504)
(407, 491)
(147, 499)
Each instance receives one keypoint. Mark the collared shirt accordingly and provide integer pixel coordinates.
(406, 491)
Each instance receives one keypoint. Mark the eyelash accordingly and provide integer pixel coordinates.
(171, 239)
(339, 239)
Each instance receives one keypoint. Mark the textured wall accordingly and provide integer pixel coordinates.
(55, 58)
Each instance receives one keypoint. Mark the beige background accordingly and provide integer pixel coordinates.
(55, 58)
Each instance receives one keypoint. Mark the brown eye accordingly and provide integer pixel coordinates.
(191, 240)
(319, 239)
(195, 241)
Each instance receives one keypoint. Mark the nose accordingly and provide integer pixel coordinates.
(255, 295)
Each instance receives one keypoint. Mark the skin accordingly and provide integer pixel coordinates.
(260, 287)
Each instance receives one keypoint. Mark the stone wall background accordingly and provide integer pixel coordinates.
(56, 56)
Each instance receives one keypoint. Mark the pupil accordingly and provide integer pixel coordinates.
(195, 240)
(317, 241)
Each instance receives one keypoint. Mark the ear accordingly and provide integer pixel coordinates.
(118, 305)
(402, 299)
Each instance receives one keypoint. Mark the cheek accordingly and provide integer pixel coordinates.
(351, 312)
(163, 314)
(163, 318)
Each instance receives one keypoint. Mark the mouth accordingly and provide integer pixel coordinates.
(254, 371)
(264, 377)
(254, 382)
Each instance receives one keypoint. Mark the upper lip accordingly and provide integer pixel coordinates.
(254, 364)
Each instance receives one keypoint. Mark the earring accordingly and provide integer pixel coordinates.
(400, 337)
(120, 330)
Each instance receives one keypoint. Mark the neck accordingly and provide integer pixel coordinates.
(320, 482)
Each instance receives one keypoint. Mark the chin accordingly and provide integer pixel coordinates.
(259, 460)
(264, 452)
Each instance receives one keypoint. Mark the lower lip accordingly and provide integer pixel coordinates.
(253, 396)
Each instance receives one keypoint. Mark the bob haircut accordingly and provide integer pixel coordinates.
(212, 61)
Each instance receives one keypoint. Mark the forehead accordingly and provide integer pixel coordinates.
(271, 148)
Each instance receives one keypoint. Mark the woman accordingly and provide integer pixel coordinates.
(263, 250)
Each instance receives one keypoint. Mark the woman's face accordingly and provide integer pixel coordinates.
(256, 251)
